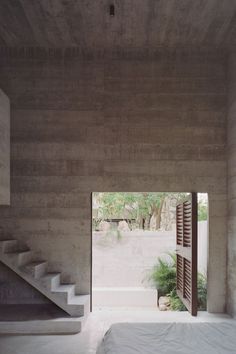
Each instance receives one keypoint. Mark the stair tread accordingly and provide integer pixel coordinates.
(79, 300)
(35, 263)
(49, 275)
(8, 240)
(18, 252)
(48, 283)
(63, 288)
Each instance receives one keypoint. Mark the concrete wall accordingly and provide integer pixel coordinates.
(126, 262)
(231, 185)
(117, 124)
(4, 149)
(202, 251)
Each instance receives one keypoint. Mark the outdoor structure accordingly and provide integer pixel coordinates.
(125, 255)
(114, 274)
(138, 100)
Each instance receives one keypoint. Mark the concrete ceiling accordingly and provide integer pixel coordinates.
(137, 23)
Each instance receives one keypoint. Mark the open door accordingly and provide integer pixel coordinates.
(186, 252)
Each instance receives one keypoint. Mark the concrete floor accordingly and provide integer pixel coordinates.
(97, 324)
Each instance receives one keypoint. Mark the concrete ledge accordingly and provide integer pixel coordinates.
(131, 297)
(37, 319)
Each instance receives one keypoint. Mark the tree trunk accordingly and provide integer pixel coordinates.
(141, 223)
(158, 215)
(148, 220)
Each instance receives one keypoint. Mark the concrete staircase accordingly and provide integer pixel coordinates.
(23, 263)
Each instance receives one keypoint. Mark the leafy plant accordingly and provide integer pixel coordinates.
(163, 277)
(202, 291)
(175, 302)
(140, 207)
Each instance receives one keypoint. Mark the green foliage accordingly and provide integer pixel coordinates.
(202, 291)
(175, 302)
(95, 223)
(202, 211)
(110, 239)
(163, 277)
(137, 206)
(113, 205)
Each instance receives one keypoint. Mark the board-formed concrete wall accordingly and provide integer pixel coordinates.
(4, 149)
(116, 124)
(231, 151)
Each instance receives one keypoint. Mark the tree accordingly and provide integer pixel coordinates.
(138, 206)
(150, 204)
(116, 205)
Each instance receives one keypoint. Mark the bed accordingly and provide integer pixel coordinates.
(169, 338)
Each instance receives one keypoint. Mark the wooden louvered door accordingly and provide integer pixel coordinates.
(186, 252)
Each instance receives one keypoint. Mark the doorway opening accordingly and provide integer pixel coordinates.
(134, 250)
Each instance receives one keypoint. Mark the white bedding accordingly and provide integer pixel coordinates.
(169, 338)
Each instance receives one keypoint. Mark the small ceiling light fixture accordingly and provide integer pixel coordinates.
(112, 10)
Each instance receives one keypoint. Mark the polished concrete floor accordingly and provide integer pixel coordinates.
(97, 324)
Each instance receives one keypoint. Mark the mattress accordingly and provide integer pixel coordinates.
(169, 338)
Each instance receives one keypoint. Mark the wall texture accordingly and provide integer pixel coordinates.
(232, 184)
(4, 149)
(116, 124)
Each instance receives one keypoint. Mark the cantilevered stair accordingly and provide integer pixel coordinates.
(23, 263)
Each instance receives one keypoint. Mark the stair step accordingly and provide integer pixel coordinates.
(19, 259)
(64, 291)
(79, 305)
(35, 273)
(50, 280)
(79, 300)
(36, 269)
(8, 246)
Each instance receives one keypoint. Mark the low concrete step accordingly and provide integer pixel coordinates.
(124, 296)
(37, 319)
